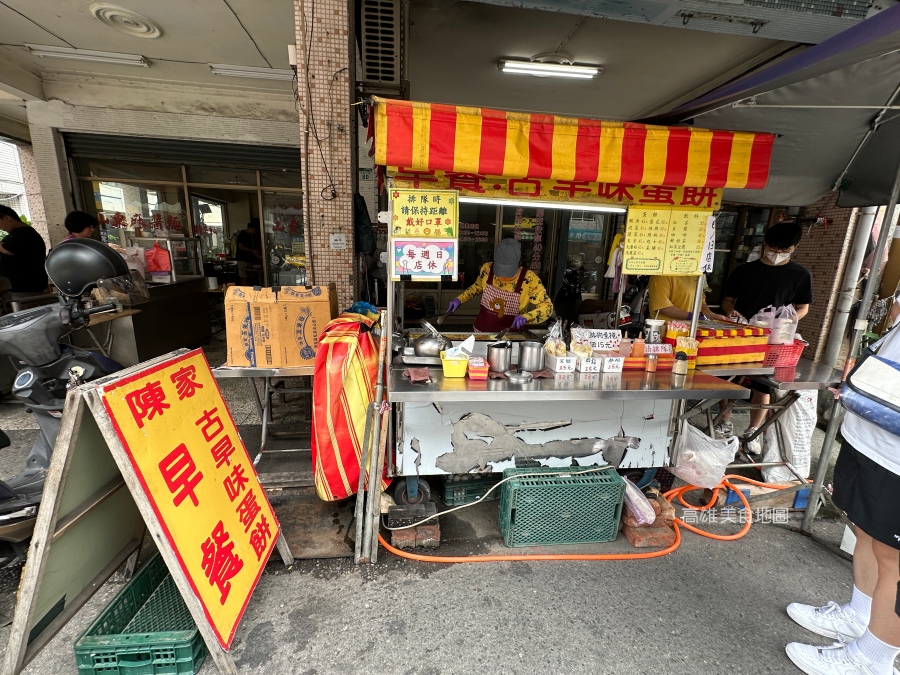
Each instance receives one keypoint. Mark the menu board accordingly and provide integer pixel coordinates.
(431, 214)
(666, 241)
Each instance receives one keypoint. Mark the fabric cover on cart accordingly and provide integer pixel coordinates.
(343, 387)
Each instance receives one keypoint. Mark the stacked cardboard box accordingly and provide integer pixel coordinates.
(276, 327)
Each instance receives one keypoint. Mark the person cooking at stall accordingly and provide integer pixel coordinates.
(673, 298)
(511, 296)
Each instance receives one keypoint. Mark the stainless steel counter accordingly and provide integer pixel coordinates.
(566, 387)
(806, 375)
(737, 369)
(224, 372)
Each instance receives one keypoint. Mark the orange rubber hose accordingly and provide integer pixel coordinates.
(671, 494)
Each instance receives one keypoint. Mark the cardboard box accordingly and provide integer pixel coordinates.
(301, 315)
(263, 310)
(239, 326)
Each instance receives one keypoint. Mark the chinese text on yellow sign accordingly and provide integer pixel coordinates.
(665, 241)
(199, 479)
(431, 214)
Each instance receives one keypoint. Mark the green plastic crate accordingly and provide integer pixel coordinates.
(145, 630)
(553, 510)
(468, 491)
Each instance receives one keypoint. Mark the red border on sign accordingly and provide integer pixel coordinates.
(149, 371)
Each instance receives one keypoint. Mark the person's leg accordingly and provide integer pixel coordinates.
(724, 410)
(880, 644)
(758, 415)
(865, 565)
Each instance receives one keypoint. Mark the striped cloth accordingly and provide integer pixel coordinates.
(428, 136)
(343, 387)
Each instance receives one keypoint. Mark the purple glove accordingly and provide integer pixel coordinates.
(453, 306)
(519, 322)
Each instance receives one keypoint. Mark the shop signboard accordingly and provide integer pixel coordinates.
(667, 241)
(193, 469)
(550, 189)
(425, 213)
(423, 259)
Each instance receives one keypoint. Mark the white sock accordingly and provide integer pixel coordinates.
(860, 606)
(880, 654)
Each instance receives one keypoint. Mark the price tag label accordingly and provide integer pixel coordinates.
(658, 349)
(613, 364)
(589, 364)
(604, 340)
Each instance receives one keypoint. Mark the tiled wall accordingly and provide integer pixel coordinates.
(823, 250)
(323, 27)
(33, 191)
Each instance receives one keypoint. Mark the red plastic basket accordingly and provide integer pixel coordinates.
(784, 356)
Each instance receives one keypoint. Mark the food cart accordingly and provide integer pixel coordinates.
(668, 180)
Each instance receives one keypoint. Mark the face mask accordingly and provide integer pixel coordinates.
(777, 258)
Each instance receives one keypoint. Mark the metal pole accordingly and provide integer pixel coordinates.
(848, 285)
(374, 470)
(698, 303)
(361, 484)
(884, 236)
(815, 492)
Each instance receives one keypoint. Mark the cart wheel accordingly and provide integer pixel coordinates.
(401, 496)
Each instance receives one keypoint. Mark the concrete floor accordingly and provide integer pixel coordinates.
(710, 607)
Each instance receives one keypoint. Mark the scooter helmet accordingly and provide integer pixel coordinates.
(77, 264)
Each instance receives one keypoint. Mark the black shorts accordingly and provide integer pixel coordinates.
(869, 494)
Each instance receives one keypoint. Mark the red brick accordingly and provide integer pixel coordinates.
(403, 538)
(428, 536)
(649, 537)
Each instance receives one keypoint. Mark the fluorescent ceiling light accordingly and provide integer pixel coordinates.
(569, 206)
(542, 69)
(251, 71)
(47, 51)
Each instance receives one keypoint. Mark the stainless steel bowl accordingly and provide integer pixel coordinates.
(429, 345)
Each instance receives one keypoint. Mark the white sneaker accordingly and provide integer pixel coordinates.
(831, 621)
(754, 447)
(724, 429)
(834, 660)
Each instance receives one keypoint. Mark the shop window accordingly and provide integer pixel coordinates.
(585, 251)
(210, 224)
(123, 209)
(284, 238)
(127, 170)
(477, 234)
(280, 179)
(220, 175)
(112, 197)
(533, 228)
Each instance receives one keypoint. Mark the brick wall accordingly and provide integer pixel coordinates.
(327, 151)
(823, 250)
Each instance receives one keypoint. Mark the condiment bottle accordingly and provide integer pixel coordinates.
(637, 348)
(650, 365)
(625, 347)
(680, 367)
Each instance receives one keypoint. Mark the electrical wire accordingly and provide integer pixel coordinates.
(331, 187)
(669, 496)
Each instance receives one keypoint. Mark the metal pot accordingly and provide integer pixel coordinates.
(430, 345)
(531, 356)
(499, 356)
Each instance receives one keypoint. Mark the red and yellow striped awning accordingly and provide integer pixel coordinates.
(433, 137)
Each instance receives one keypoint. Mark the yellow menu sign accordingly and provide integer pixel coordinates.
(665, 241)
(432, 214)
(196, 474)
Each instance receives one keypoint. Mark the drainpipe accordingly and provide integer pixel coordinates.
(848, 285)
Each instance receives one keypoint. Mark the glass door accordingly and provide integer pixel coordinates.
(210, 225)
(284, 238)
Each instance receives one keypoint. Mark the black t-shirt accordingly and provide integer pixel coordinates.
(250, 241)
(755, 285)
(25, 268)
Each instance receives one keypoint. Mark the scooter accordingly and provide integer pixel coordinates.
(46, 370)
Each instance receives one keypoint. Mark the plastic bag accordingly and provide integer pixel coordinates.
(701, 460)
(580, 344)
(134, 258)
(797, 425)
(554, 344)
(638, 504)
(157, 259)
(784, 326)
(764, 318)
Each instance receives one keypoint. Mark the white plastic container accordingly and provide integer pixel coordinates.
(560, 364)
(613, 364)
(588, 364)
